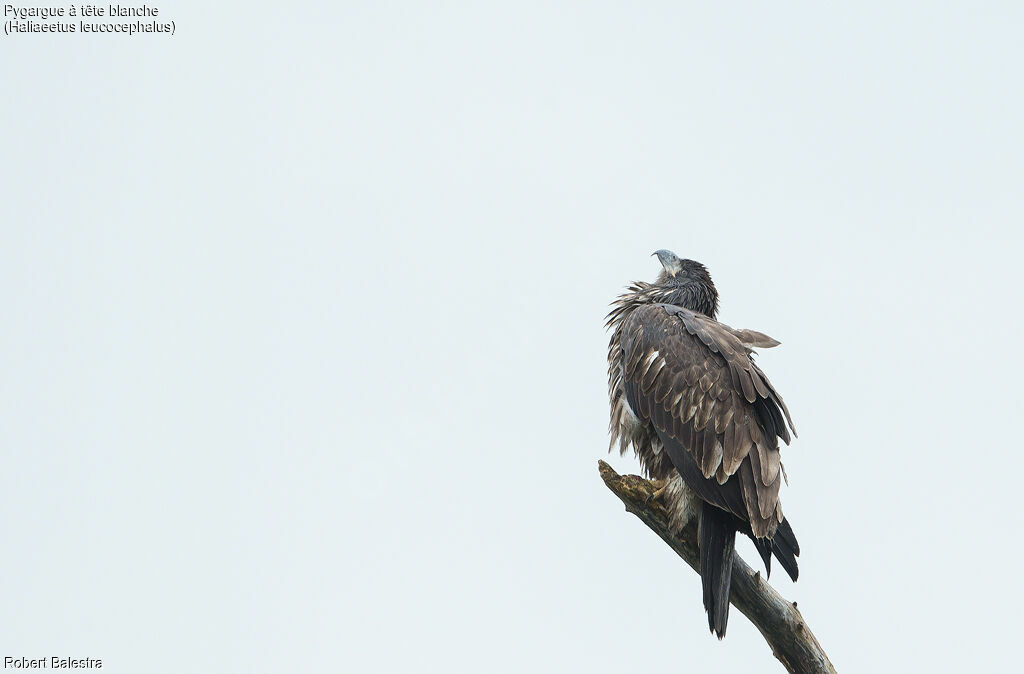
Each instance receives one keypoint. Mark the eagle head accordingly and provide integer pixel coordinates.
(685, 283)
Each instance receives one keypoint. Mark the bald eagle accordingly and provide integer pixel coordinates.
(703, 420)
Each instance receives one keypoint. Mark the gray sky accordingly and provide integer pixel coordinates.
(303, 367)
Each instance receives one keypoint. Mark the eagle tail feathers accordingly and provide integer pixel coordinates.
(783, 545)
(764, 548)
(717, 546)
(786, 548)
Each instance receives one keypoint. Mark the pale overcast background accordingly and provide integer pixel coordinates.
(302, 365)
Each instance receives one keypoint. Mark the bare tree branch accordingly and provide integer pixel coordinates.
(778, 620)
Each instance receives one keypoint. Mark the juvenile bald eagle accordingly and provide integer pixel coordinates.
(703, 419)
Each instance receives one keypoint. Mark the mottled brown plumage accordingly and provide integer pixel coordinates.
(701, 416)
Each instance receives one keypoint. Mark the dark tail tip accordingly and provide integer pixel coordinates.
(786, 549)
(717, 546)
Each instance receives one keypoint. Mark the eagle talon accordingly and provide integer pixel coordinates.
(660, 486)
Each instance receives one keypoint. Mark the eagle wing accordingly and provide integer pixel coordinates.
(716, 413)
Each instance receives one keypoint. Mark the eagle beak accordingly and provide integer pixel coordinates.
(668, 260)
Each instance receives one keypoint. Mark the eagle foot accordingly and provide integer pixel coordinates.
(659, 490)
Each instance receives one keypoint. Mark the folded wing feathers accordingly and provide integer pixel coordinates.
(633, 353)
(749, 393)
(666, 386)
(774, 396)
(770, 460)
(737, 450)
(752, 339)
(723, 420)
(712, 458)
(703, 416)
(762, 390)
(646, 362)
(680, 392)
(767, 490)
(651, 375)
(746, 477)
(706, 401)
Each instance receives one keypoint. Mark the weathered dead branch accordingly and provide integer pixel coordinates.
(778, 620)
